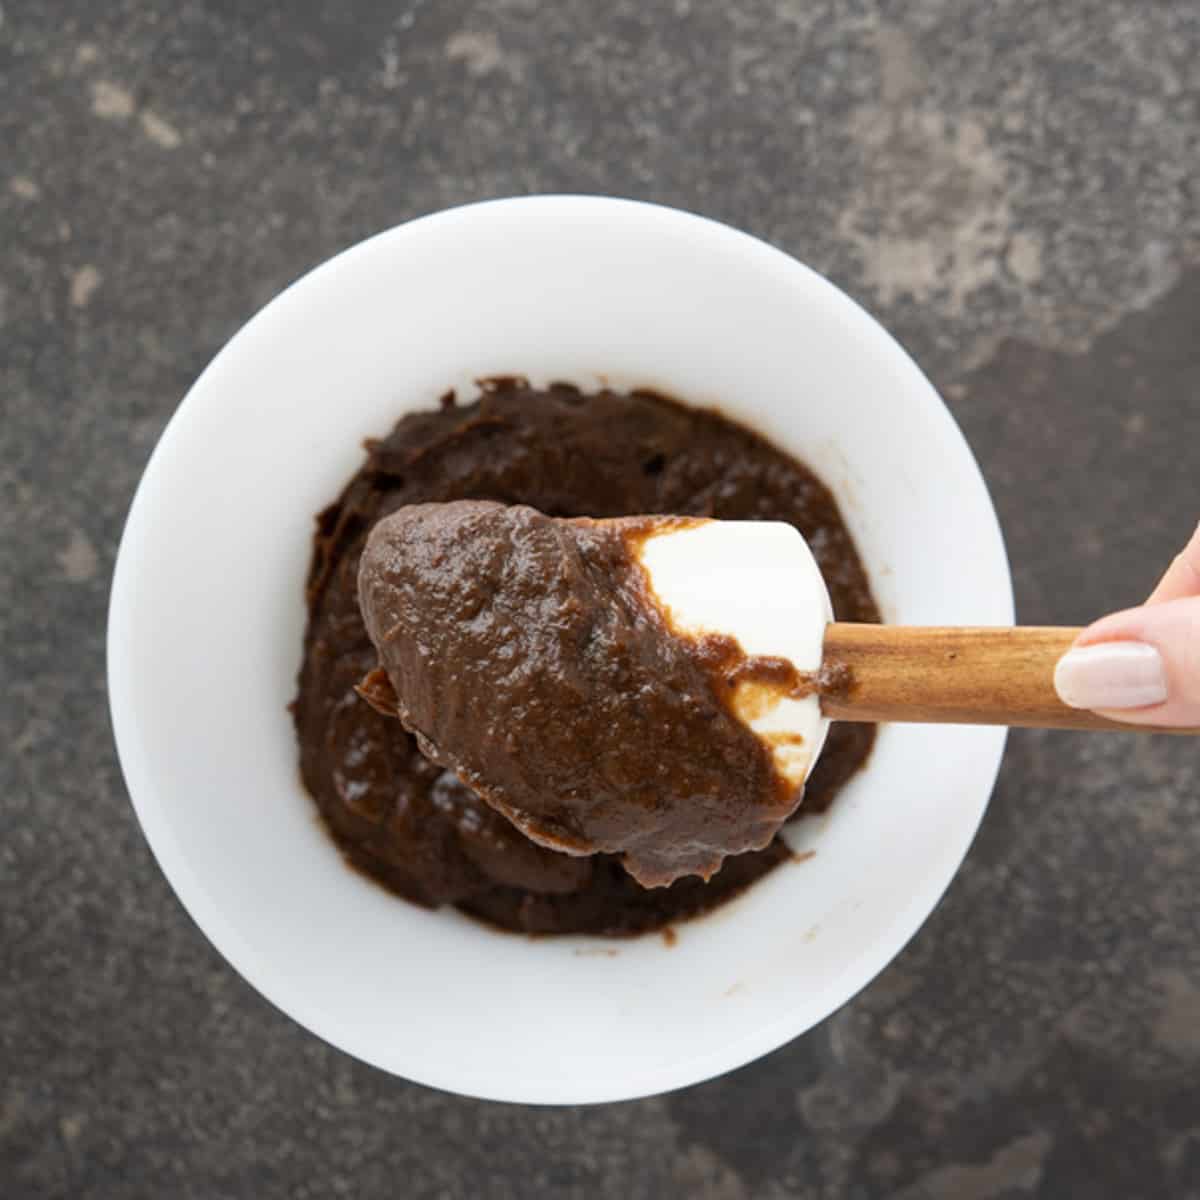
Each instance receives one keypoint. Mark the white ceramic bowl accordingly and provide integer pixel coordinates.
(206, 620)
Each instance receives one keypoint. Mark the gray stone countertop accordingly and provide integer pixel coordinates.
(1010, 187)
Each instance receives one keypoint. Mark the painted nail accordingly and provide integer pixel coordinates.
(1111, 675)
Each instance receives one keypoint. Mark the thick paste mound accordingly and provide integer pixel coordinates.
(411, 823)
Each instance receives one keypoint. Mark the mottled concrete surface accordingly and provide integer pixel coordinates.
(1012, 187)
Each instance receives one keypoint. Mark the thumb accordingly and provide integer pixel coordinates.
(1140, 666)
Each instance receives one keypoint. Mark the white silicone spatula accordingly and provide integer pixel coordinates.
(759, 583)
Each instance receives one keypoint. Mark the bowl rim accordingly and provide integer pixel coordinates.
(225, 936)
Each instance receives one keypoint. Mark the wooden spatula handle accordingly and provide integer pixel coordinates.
(966, 676)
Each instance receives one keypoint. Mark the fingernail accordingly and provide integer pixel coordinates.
(1111, 675)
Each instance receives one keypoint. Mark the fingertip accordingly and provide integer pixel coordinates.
(1173, 630)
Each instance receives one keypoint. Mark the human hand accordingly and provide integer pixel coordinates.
(1142, 666)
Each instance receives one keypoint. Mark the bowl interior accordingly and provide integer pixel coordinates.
(206, 624)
